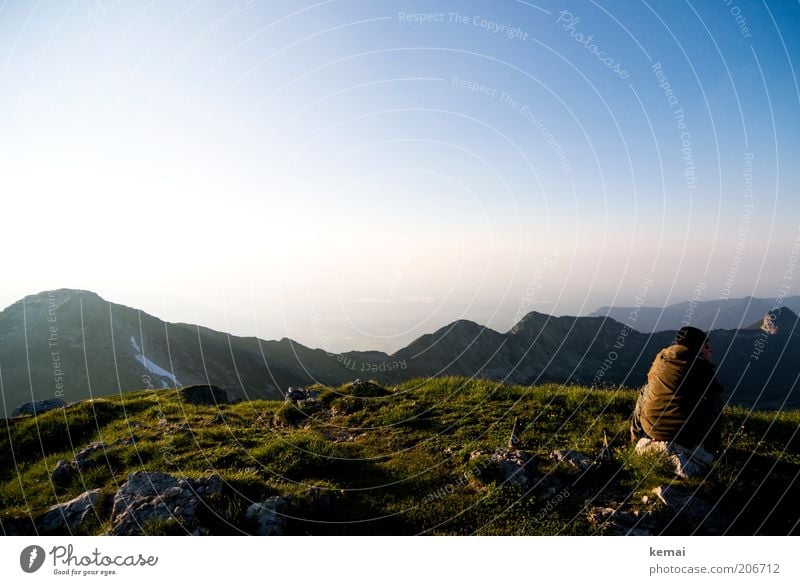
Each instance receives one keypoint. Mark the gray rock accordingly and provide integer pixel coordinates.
(83, 458)
(512, 465)
(301, 394)
(574, 458)
(269, 515)
(687, 462)
(71, 514)
(62, 473)
(204, 394)
(156, 497)
(38, 407)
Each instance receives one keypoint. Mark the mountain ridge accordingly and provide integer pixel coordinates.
(717, 314)
(128, 349)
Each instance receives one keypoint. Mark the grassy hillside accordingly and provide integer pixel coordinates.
(403, 461)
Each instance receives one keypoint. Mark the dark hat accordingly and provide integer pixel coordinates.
(691, 337)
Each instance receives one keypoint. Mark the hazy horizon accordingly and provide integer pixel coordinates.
(318, 334)
(360, 174)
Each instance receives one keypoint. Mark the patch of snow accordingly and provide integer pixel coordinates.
(153, 367)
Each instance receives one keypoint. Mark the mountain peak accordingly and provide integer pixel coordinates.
(60, 295)
(777, 320)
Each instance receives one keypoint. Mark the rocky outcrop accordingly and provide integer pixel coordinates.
(269, 516)
(574, 458)
(153, 497)
(779, 320)
(208, 395)
(72, 514)
(514, 468)
(38, 407)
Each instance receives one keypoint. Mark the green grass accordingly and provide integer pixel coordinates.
(397, 461)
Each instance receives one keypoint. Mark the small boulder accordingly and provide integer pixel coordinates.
(208, 395)
(301, 394)
(38, 407)
(83, 459)
(71, 514)
(269, 516)
(62, 473)
(687, 462)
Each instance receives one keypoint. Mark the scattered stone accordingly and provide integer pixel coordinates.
(622, 520)
(574, 458)
(516, 468)
(301, 394)
(38, 407)
(62, 473)
(153, 497)
(687, 462)
(269, 516)
(71, 514)
(83, 459)
(208, 395)
(451, 450)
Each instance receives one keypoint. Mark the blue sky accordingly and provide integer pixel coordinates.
(352, 174)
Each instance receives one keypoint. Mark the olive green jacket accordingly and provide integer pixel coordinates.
(682, 400)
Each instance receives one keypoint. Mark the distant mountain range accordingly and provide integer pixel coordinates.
(74, 345)
(720, 314)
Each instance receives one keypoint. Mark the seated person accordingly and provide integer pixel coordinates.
(682, 400)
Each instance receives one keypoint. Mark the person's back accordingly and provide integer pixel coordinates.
(681, 401)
